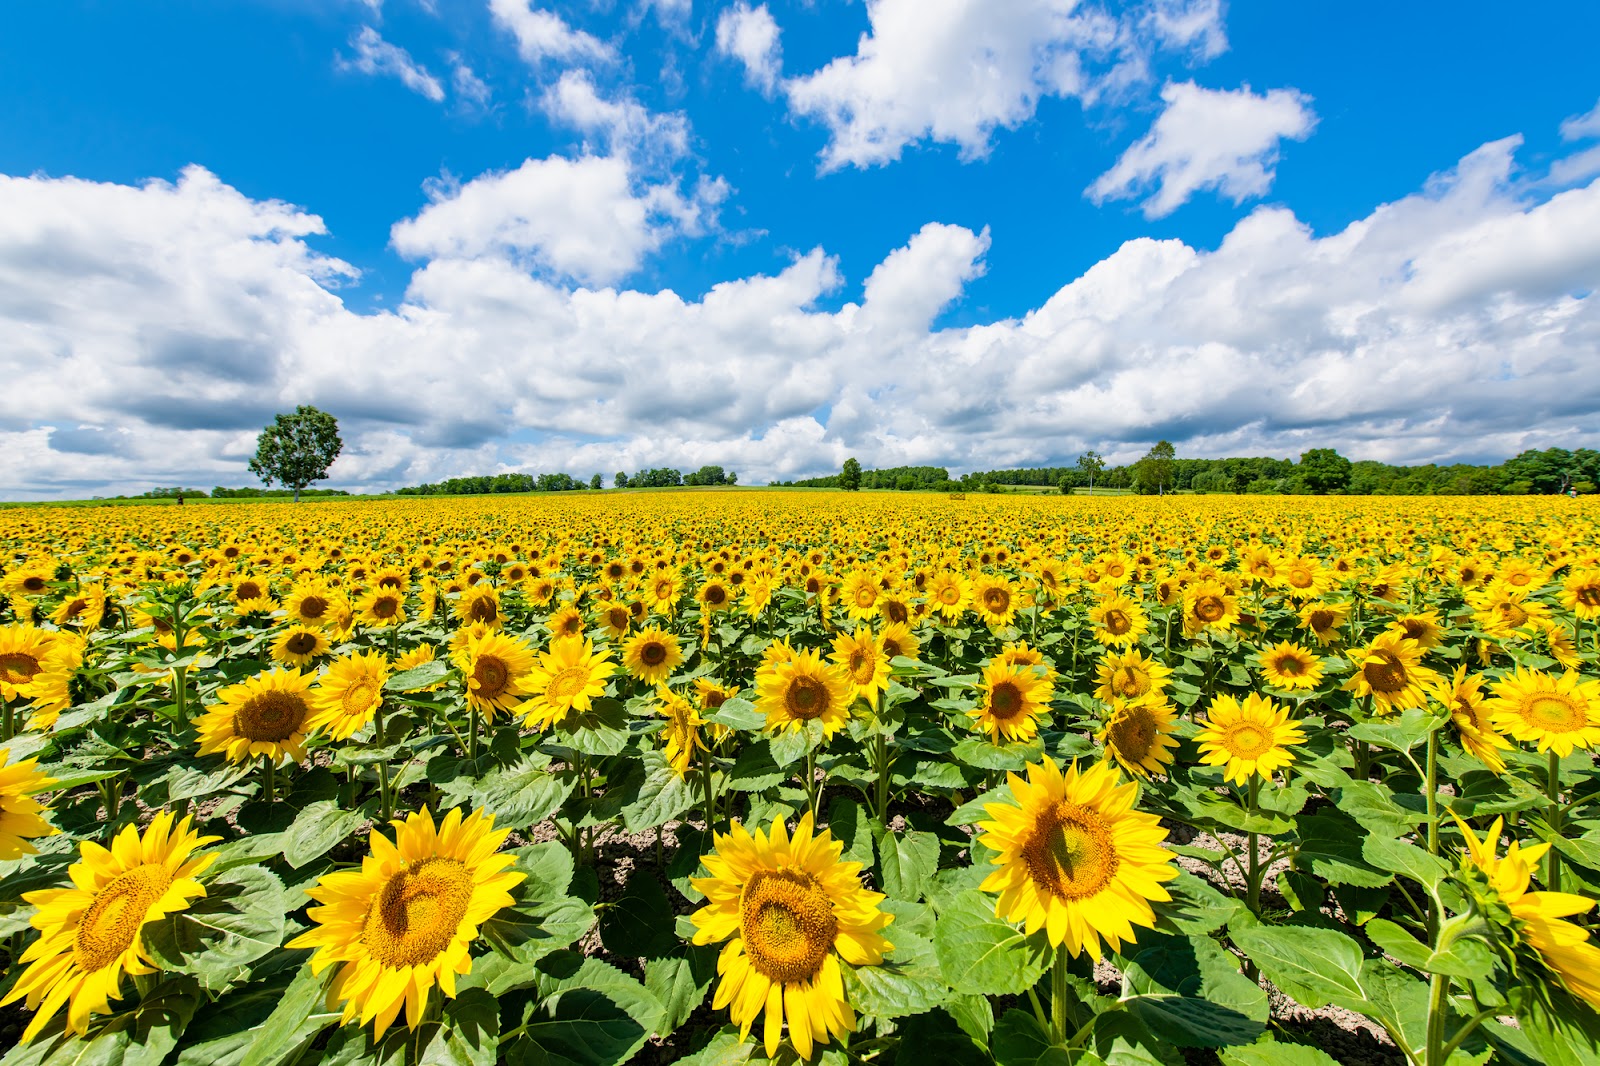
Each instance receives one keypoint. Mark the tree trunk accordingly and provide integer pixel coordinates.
(297, 494)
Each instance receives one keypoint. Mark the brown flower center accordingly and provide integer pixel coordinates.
(1071, 853)
(112, 921)
(270, 716)
(787, 923)
(418, 913)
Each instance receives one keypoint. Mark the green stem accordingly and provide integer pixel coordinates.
(180, 692)
(472, 738)
(1060, 998)
(269, 779)
(705, 784)
(1252, 883)
(1438, 992)
(1432, 787)
(9, 726)
(1465, 1031)
(1552, 880)
(812, 792)
(881, 756)
(385, 800)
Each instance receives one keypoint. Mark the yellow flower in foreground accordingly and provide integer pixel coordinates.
(1075, 858)
(1390, 670)
(495, 668)
(868, 668)
(568, 678)
(1138, 734)
(802, 689)
(1469, 712)
(402, 924)
(1289, 666)
(1014, 699)
(1252, 737)
(652, 655)
(19, 811)
(89, 935)
(265, 715)
(1557, 713)
(349, 694)
(793, 911)
(22, 653)
(1563, 946)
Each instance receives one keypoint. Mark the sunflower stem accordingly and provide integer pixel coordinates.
(1060, 997)
(1552, 880)
(180, 692)
(472, 738)
(9, 729)
(385, 800)
(269, 779)
(1252, 882)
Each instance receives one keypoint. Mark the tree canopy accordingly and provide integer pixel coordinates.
(297, 449)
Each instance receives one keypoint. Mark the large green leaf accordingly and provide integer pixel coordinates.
(1272, 1053)
(1386, 853)
(639, 923)
(602, 730)
(910, 980)
(754, 770)
(318, 828)
(1314, 967)
(293, 1023)
(663, 796)
(681, 983)
(595, 1015)
(518, 796)
(982, 955)
(1192, 966)
(850, 826)
(142, 1036)
(906, 862)
(1189, 1021)
(1562, 1029)
(1330, 847)
(1019, 1040)
(239, 920)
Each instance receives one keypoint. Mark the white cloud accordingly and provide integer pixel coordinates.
(543, 35)
(584, 218)
(624, 126)
(152, 330)
(1207, 139)
(376, 56)
(470, 89)
(1579, 127)
(954, 71)
(750, 35)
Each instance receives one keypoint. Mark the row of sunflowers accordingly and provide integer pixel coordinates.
(728, 777)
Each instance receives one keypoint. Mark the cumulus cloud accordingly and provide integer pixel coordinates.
(152, 330)
(543, 35)
(376, 56)
(750, 35)
(1207, 139)
(954, 71)
(623, 125)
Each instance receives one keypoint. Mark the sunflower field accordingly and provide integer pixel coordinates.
(728, 777)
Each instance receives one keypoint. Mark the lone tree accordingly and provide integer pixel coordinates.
(850, 475)
(1323, 470)
(297, 449)
(1091, 464)
(1157, 467)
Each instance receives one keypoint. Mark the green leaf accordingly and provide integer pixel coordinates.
(601, 731)
(1211, 809)
(662, 797)
(1189, 1021)
(1330, 847)
(935, 1039)
(850, 826)
(681, 983)
(518, 796)
(906, 861)
(593, 1016)
(221, 1033)
(1019, 1040)
(1198, 907)
(738, 714)
(975, 810)
(639, 923)
(1386, 853)
(1397, 1001)
(1314, 967)
(1400, 732)
(754, 770)
(1379, 810)
(909, 980)
(1272, 1053)
(239, 920)
(982, 955)
(143, 1036)
(1193, 966)
(320, 827)
(429, 673)
(975, 751)
(293, 1023)
(790, 745)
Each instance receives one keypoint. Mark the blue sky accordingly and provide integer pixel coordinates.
(483, 233)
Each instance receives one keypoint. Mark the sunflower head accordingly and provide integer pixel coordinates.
(1557, 713)
(349, 694)
(801, 689)
(1289, 666)
(864, 663)
(569, 677)
(1138, 735)
(1248, 737)
(1013, 698)
(651, 655)
(266, 715)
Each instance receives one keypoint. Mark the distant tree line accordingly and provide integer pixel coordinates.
(1319, 471)
(664, 477)
(221, 493)
(660, 477)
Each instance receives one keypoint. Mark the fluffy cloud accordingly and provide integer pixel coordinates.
(1207, 139)
(152, 330)
(625, 126)
(543, 35)
(376, 56)
(750, 35)
(954, 71)
(1579, 127)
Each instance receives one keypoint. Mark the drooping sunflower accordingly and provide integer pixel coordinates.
(994, 599)
(495, 668)
(1138, 734)
(264, 715)
(864, 663)
(1500, 610)
(652, 655)
(1128, 676)
(1463, 696)
(1538, 917)
(348, 694)
(1247, 738)
(569, 677)
(1075, 858)
(949, 594)
(404, 923)
(1014, 698)
(23, 649)
(84, 609)
(90, 934)
(1556, 713)
(1289, 666)
(299, 645)
(682, 731)
(20, 813)
(1209, 604)
(793, 912)
(1324, 620)
(803, 689)
(1390, 670)
(1118, 621)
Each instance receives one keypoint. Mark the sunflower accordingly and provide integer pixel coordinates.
(22, 653)
(949, 594)
(864, 662)
(19, 811)
(713, 694)
(1563, 947)
(1289, 666)
(480, 605)
(859, 594)
(1138, 734)
(1014, 698)
(348, 694)
(713, 596)
(568, 678)
(310, 602)
(1324, 620)
(758, 593)
(652, 655)
(382, 607)
(52, 688)
(1427, 629)
(1580, 593)
(86, 608)
(298, 645)
(251, 594)
(28, 580)
(794, 912)
(1128, 676)
(802, 689)
(1500, 610)
(1248, 738)
(403, 924)
(1118, 621)
(421, 654)
(565, 622)
(1302, 577)
(896, 641)
(90, 933)
(1557, 713)
(615, 618)
(682, 730)
(995, 600)
(1075, 858)
(496, 669)
(1390, 670)
(662, 592)
(1209, 604)
(265, 715)
(1017, 653)
(1463, 696)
